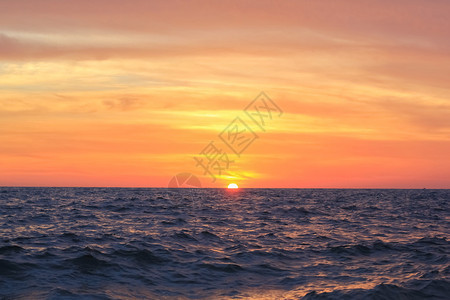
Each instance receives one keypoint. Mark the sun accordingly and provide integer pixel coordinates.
(233, 186)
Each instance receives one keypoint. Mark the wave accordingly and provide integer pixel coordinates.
(142, 256)
(228, 268)
(427, 244)
(10, 249)
(88, 262)
(16, 270)
(434, 289)
(94, 243)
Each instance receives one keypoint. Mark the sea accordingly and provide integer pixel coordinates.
(160, 243)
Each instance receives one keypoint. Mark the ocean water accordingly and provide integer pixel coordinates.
(114, 243)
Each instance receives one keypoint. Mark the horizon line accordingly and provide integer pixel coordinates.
(305, 188)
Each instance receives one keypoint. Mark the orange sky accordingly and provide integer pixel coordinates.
(125, 93)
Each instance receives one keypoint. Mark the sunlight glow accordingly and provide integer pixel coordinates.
(233, 186)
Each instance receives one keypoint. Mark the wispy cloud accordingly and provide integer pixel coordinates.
(103, 91)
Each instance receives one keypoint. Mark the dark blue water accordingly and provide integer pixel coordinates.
(111, 243)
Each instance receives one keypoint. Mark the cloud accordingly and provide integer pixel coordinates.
(124, 103)
(103, 83)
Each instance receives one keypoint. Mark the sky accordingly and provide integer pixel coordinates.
(132, 93)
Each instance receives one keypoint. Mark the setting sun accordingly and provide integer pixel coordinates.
(233, 186)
